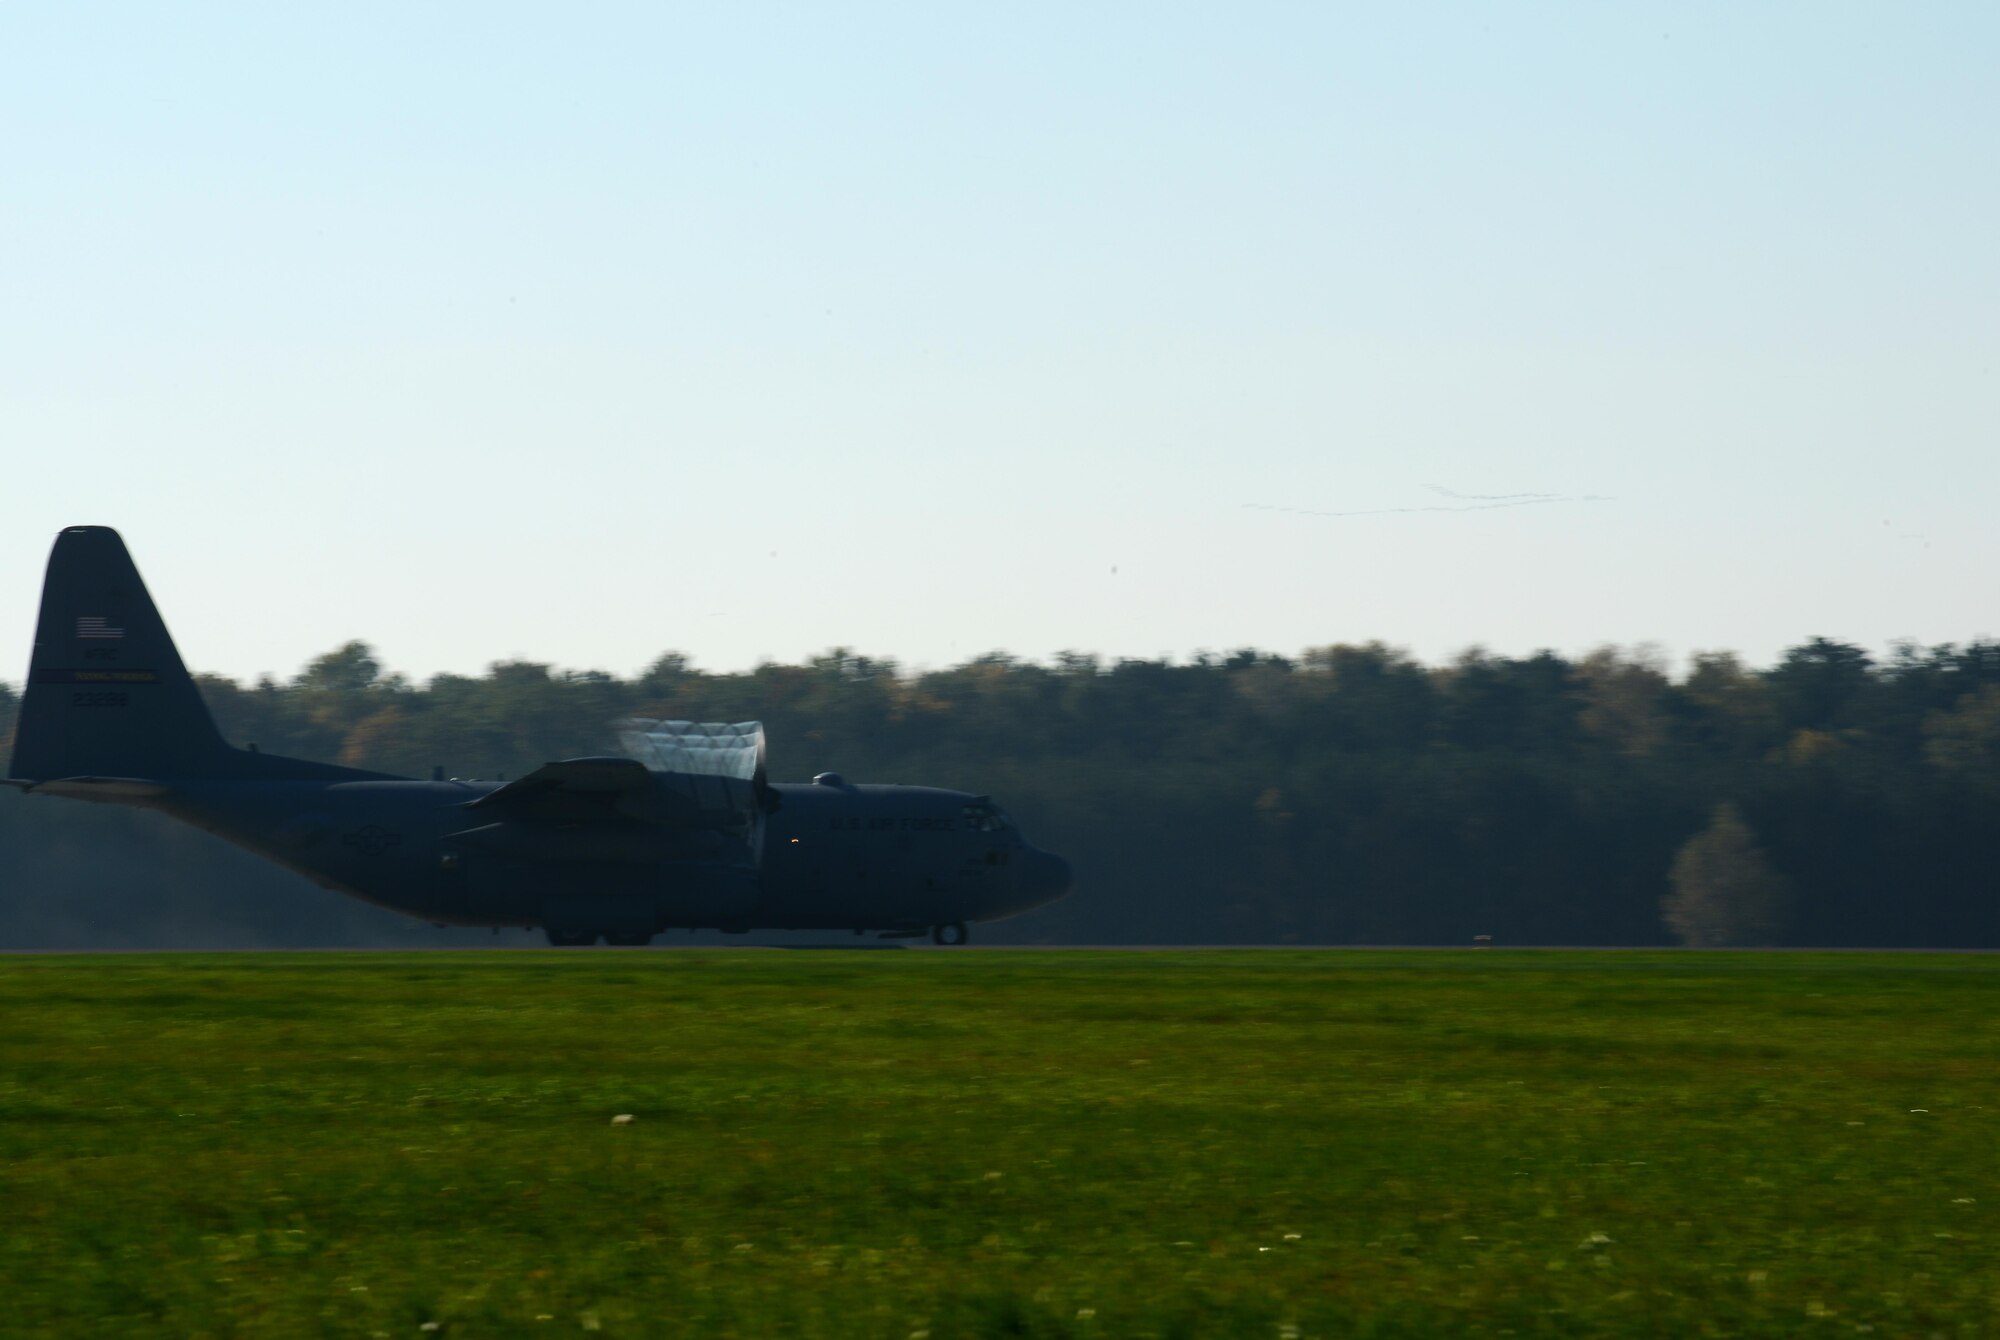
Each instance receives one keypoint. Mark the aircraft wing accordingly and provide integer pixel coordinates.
(575, 788)
(574, 776)
(580, 790)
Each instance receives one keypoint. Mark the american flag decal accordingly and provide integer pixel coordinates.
(96, 626)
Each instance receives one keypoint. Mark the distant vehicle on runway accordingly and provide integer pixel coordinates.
(687, 833)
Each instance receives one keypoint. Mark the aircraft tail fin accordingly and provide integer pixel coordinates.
(107, 694)
(107, 697)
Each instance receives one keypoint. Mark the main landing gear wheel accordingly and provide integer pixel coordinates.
(951, 934)
(557, 937)
(628, 937)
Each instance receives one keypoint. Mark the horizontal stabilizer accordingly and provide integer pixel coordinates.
(106, 790)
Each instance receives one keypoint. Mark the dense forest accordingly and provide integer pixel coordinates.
(1352, 795)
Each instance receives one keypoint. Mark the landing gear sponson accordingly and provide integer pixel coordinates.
(952, 933)
(574, 937)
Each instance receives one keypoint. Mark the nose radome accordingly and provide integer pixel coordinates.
(1046, 876)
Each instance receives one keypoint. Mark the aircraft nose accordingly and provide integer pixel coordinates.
(1045, 876)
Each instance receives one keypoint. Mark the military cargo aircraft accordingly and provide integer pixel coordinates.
(687, 834)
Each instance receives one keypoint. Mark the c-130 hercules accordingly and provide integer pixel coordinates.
(587, 848)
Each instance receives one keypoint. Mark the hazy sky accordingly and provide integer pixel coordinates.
(579, 333)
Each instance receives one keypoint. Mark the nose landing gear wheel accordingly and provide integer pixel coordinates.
(952, 934)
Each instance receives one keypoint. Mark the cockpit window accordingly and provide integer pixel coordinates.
(984, 816)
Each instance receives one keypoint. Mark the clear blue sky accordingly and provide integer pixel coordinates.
(579, 333)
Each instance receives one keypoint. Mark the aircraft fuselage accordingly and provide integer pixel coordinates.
(833, 856)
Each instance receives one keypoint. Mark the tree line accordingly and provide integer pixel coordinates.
(1348, 795)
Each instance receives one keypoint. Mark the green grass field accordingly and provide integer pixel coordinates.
(1000, 1143)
